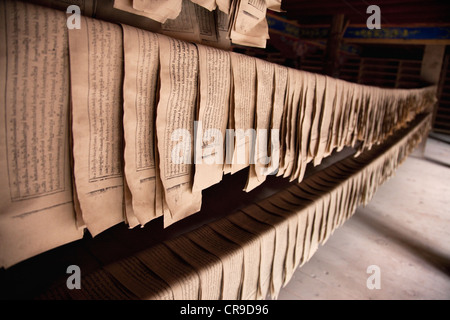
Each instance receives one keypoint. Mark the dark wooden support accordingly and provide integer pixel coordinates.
(331, 66)
(432, 62)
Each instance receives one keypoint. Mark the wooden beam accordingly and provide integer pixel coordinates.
(432, 63)
(441, 81)
(400, 41)
(430, 71)
(331, 66)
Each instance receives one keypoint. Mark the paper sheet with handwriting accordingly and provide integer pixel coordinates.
(136, 277)
(231, 255)
(36, 207)
(141, 59)
(266, 236)
(262, 215)
(264, 106)
(185, 26)
(329, 94)
(182, 278)
(281, 78)
(175, 126)
(301, 114)
(96, 74)
(316, 114)
(214, 88)
(308, 98)
(278, 207)
(249, 25)
(244, 78)
(208, 266)
(252, 255)
(158, 10)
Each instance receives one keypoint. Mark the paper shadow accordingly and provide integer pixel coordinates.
(414, 245)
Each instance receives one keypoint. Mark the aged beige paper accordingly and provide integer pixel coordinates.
(214, 87)
(301, 208)
(323, 190)
(244, 103)
(141, 59)
(333, 132)
(251, 41)
(96, 70)
(280, 207)
(325, 119)
(339, 206)
(289, 219)
(296, 83)
(384, 127)
(224, 5)
(231, 255)
(284, 122)
(175, 127)
(301, 114)
(308, 100)
(332, 185)
(346, 106)
(101, 285)
(362, 118)
(266, 237)
(221, 21)
(185, 26)
(281, 243)
(252, 255)
(159, 10)
(281, 77)
(249, 26)
(136, 277)
(207, 4)
(314, 211)
(206, 20)
(208, 266)
(181, 277)
(160, 15)
(371, 112)
(130, 217)
(121, 11)
(36, 207)
(316, 111)
(354, 121)
(353, 183)
(264, 105)
(160, 205)
(195, 24)
(343, 191)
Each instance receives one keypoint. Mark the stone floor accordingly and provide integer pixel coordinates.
(405, 231)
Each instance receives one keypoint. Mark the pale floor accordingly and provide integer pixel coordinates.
(405, 231)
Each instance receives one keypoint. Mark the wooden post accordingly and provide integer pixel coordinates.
(432, 63)
(331, 66)
(430, 71)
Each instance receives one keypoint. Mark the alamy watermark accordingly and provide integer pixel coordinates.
(374, 280)
(74, 20)
(74, 280)
(237, 147)
(374, 21)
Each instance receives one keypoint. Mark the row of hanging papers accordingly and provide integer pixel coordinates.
(109, 123)
(252, 253)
